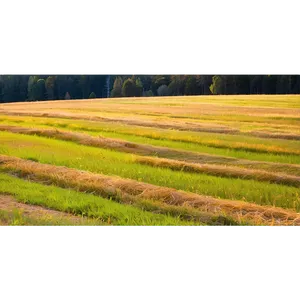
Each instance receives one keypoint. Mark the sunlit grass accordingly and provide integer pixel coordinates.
(234, 122)
(232, 167)
(109, 162)
(17, 217)
(102, 210)
(251, 148)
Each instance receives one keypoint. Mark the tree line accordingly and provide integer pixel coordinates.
(14, 88)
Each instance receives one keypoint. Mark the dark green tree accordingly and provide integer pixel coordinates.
(139, 87)
(92, 95)
(41, 90)
(163, 90)
(216, 87)
(174, 86)
(129, 88)
(36, 89)
(84, 86)
(31, 87)
(191, 87)
(49, 85)
(158, 80)
(117, 88)
(148, 93)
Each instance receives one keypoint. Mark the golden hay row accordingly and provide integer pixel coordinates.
(128, 147)
(186, 126)
(131, 191)
(223, 171)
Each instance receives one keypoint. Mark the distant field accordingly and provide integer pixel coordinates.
(205, 160)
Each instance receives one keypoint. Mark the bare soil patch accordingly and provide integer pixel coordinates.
(8, 203)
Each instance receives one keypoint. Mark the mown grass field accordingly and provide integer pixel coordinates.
(207, 160)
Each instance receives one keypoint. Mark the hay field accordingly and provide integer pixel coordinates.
(198, 160)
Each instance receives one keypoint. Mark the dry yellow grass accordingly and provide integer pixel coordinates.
(80, 138)
(232, 123)
(186, 126)
(218, 105)
(131, 191)
(207, 166)
(181, 126)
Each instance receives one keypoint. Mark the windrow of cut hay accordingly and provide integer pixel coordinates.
(275, 135)
(221, 170)
(188, 126)
(140, 122)
(131, 191)
(203, 163)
